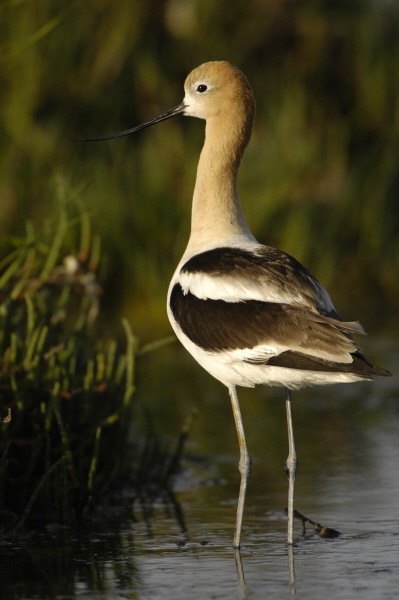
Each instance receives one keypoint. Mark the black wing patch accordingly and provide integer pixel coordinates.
(265, 264)
(217, 326)
(296, 360)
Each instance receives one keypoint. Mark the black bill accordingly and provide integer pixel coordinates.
(173, 112)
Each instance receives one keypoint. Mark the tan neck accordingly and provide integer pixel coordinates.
(217, 217)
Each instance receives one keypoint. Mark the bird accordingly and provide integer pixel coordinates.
(248, 313)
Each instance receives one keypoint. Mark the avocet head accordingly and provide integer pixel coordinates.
(214, 89)
(217, 88)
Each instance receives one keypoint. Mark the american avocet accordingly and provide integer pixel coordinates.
(248, 313)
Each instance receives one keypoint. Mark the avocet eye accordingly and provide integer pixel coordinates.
(201, 88)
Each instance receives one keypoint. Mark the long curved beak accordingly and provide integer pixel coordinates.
(173, 112)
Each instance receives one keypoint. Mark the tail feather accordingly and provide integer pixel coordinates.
(359, 365)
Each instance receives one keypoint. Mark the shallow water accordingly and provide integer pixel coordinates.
(347, 441)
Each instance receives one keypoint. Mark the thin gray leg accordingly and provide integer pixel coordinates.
(291, 465)
(244, 466)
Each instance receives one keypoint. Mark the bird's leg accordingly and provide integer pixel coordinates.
(291, 466)
(244, 466)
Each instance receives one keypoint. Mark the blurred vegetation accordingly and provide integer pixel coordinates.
(69, 437)
(319, 180)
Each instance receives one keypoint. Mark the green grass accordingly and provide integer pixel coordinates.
(322, 164)
(67, 392)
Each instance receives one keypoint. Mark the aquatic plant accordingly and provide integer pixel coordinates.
(65, 390)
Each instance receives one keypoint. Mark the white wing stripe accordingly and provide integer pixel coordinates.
(236, 289)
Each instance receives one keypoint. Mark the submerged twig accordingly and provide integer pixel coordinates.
(321, 530)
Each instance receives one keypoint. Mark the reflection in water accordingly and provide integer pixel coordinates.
(57, 563)
(183, 545)
(173, 509)
(240, 574)
(242, 585)
(291, 568)
(244, 589)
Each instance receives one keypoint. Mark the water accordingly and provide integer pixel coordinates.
(347, 441)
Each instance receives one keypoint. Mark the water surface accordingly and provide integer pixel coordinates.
(347, 441)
